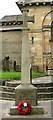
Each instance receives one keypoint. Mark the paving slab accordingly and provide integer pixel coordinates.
(5, 108)
(46, 79)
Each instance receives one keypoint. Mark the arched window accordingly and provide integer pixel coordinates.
(52, 30)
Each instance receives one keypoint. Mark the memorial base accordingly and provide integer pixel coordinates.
(26, 92)
(36, 110)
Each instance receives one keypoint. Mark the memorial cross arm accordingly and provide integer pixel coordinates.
(24, 18)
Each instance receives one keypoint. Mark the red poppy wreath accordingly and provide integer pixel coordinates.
(24, 107)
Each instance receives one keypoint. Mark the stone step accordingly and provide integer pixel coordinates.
(12, 83)
(7, 98)
(45, 95)
(39, 89)
(7, 89)
(40, 99)
(7, 94)
(45, 89)
(43, 84)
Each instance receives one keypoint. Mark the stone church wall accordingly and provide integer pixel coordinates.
(41, 39)
(12, 46)
(38, 39)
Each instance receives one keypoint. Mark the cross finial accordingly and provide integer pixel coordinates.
(25, 20)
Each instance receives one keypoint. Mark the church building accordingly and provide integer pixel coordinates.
(40, 34)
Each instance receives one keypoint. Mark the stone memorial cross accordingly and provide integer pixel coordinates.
(25, 67)
(25, 91)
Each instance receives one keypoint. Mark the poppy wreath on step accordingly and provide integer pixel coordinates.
(24, 107)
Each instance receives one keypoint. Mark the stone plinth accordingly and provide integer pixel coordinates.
(26, 92)
(35, 110)
(29, 93)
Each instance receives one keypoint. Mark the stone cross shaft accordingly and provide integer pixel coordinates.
(25, 66)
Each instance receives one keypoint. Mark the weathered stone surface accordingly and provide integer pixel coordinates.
(26, 92)
(13, 51)
(35, 110)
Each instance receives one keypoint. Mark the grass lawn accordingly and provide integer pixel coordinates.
(17, 75)
(10, 75)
